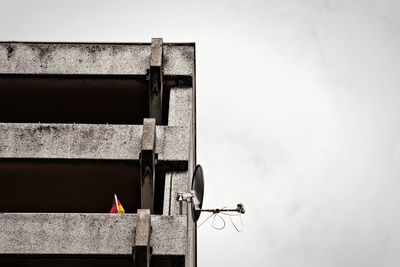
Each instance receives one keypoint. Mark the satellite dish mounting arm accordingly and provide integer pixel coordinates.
(195, 197)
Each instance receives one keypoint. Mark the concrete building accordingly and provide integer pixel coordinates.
(80, 122)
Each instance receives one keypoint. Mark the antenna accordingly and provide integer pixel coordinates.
(195, 197)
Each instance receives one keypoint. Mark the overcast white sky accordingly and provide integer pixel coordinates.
(298, 116)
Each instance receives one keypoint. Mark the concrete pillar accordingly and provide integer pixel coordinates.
(156, 79)
(147, 162)
(142, 251)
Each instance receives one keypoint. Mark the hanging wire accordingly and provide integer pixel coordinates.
(215, 214)
(213, 223)
(205, 220)
(198, 226)
(234, 225)
(218, 213)
(238, 229)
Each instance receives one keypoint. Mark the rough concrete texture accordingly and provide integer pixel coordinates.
(179, 183)
(149, 134)
(180, 114)
(179, 59)
(78, 58)
(143, 228)
(175, 182)
(156, 54)
(180, 107)
(176, 144)
(168, 234)
(167, 194)
(86, 234)
(88, 141)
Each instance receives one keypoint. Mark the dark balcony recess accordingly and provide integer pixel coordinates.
(62, 186)
(69, 99)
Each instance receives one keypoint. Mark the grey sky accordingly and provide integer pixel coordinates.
(297, 110)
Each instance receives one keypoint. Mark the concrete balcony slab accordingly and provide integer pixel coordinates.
(90, 141)
(87, 234)
(94, 58)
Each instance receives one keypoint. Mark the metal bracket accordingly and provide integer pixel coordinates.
(184, 196)
(156, 79)
(187, 196)
(142, 250)
(147, 164)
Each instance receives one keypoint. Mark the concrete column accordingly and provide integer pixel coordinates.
(156, 80)
(147, 162)
(142, 251)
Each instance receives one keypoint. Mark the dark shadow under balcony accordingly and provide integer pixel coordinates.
(68, 99)
(69, 186)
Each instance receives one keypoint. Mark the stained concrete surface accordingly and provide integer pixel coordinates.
(69, 234)
(86, 234)
(100, 58)
(90, 141)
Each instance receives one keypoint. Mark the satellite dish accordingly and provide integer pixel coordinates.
(198, 192)
(195, 198)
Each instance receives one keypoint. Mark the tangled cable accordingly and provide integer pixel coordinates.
(217, 213)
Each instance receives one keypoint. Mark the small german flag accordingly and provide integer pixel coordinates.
(116, 206)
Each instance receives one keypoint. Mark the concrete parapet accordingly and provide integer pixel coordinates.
(95, 58)
(86, 234)
(89, 141)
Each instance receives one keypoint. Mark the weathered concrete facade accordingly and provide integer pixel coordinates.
(78, 137)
